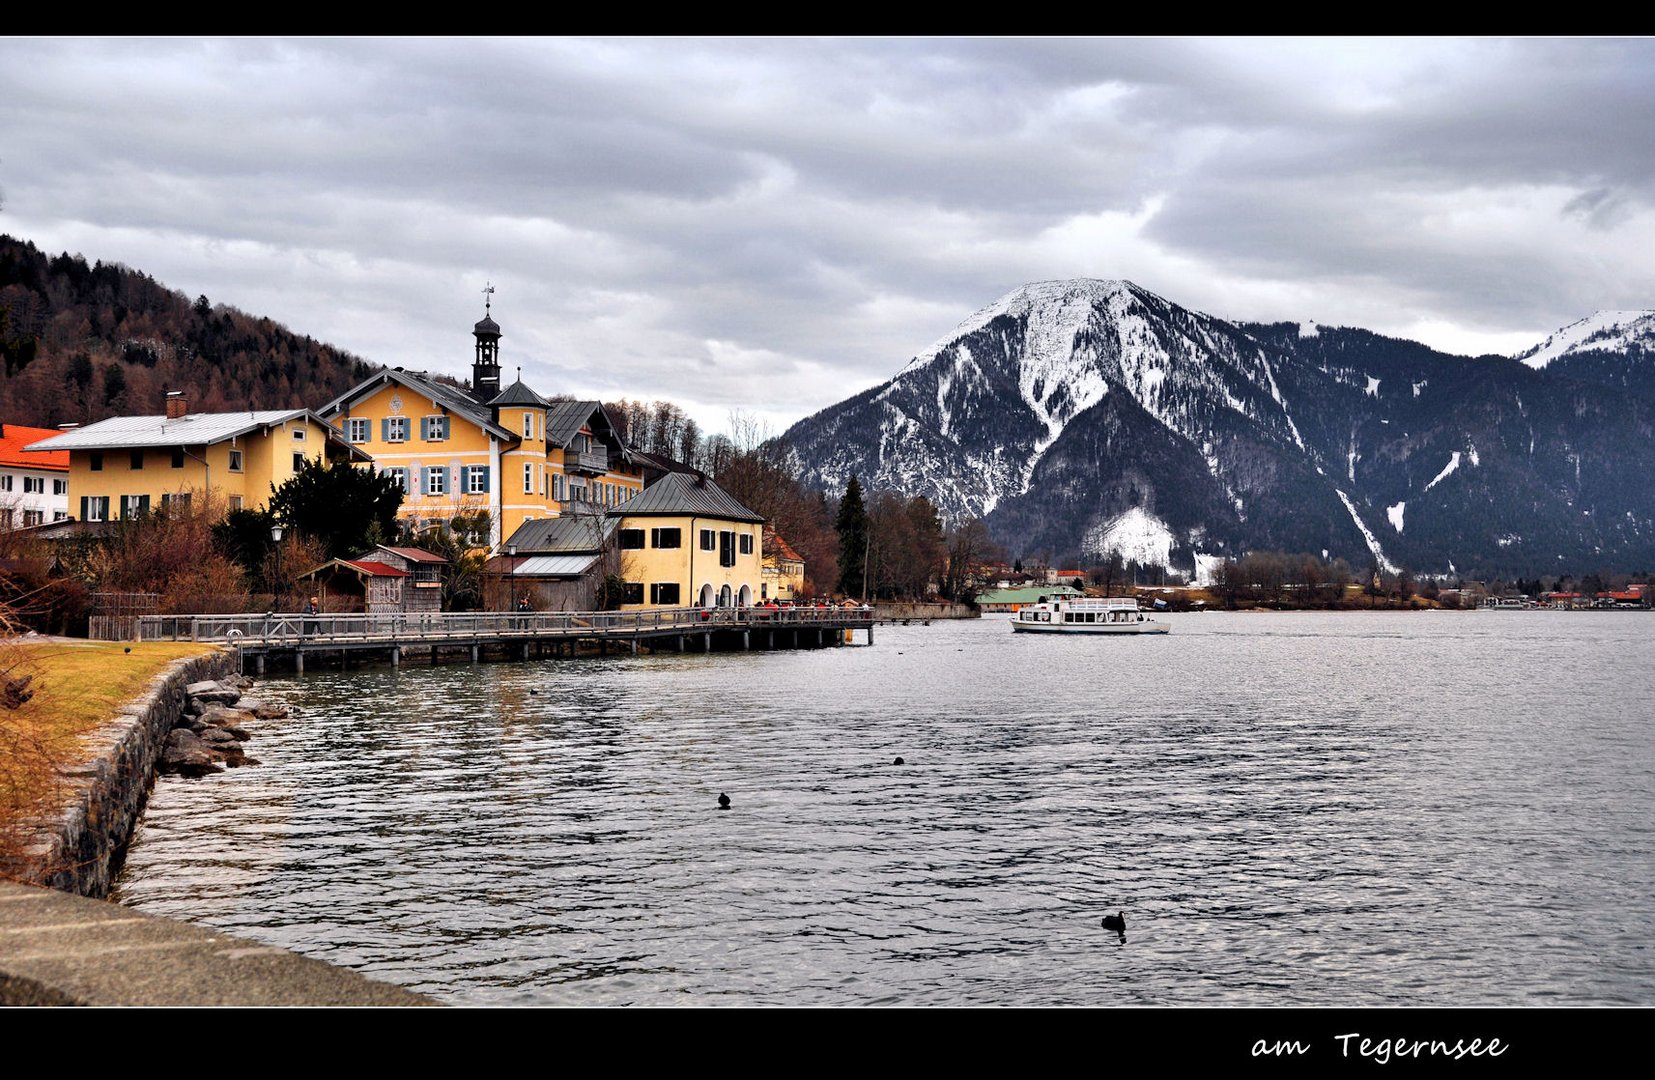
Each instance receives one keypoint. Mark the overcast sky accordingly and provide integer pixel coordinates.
(774, 225)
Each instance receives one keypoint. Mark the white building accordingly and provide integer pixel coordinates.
(34, 488)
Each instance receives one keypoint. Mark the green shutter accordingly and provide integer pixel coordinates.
(84, 500)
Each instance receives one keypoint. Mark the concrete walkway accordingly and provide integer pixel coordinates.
(58, 949)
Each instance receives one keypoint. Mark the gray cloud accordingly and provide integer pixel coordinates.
(778, 223)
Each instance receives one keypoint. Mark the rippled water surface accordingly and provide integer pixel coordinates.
(1355, 809)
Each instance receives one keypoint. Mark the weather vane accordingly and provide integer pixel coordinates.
(488, 291)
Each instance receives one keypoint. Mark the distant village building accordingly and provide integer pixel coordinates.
(1016, 599)
(784, 570)
(126, 466)
(34, 487)
(685, 542)
(509, 452)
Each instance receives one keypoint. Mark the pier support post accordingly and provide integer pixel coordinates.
(707, 641)
(680, 644)
(770, 639)
(474, 649)
(746, 639)
(299, 661)
(634, 646)
(396, 656)
(258, 663)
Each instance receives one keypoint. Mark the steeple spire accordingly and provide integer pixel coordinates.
(485, 369)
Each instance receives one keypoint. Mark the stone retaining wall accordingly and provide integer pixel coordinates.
(887, 610)
(81, 850)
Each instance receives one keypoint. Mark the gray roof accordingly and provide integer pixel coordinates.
(554, 565)
(452, 398)
(681, 493)
(194, 429)
(486, 325)
(564, 419)
(561, 535)
(518, 394)
(567, 418)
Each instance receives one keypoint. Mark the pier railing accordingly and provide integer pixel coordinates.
(280, 628)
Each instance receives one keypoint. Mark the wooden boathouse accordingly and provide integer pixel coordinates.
(292, 638)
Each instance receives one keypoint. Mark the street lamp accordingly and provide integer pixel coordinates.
(276, 541)
(511, 568)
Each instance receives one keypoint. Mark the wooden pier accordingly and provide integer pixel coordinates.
(507, 635)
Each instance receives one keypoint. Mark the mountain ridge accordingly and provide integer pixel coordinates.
(1070, 412)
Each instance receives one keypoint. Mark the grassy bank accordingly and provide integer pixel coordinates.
(74, 687)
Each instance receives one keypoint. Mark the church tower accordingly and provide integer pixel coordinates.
(485, 369)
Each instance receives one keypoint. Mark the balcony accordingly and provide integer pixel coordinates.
(594, 461)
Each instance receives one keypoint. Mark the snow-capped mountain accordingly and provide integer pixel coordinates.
(1603, 331)
(1093, 416)
(1613, 348)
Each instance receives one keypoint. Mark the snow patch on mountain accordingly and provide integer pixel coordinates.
(1420, 386)
(1373, 386)
(1275, 393)
(1137, 536)
(1367, 534)
(1610, 331)
(1309, 330)
(1453, 463)
(1395, 515)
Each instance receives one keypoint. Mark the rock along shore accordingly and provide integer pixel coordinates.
(57, 948)
(79, 848)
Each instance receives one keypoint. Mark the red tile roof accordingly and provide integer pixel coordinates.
(374, 569)
(14, 437)
(775, 544)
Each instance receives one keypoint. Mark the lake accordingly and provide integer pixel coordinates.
(1344, 809)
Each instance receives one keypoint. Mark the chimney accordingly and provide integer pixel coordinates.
(176, 405)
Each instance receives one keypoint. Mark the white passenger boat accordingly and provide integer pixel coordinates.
(1086, 615)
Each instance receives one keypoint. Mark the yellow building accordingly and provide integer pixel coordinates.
(127, 465)
(685, 542)
(784, 570)
(511, 452)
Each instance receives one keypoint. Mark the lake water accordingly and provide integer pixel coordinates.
(1322, 809)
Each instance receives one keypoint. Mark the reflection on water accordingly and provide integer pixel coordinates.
(1355, 809)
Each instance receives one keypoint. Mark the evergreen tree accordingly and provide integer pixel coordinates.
(338, 505)
(852, 527)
